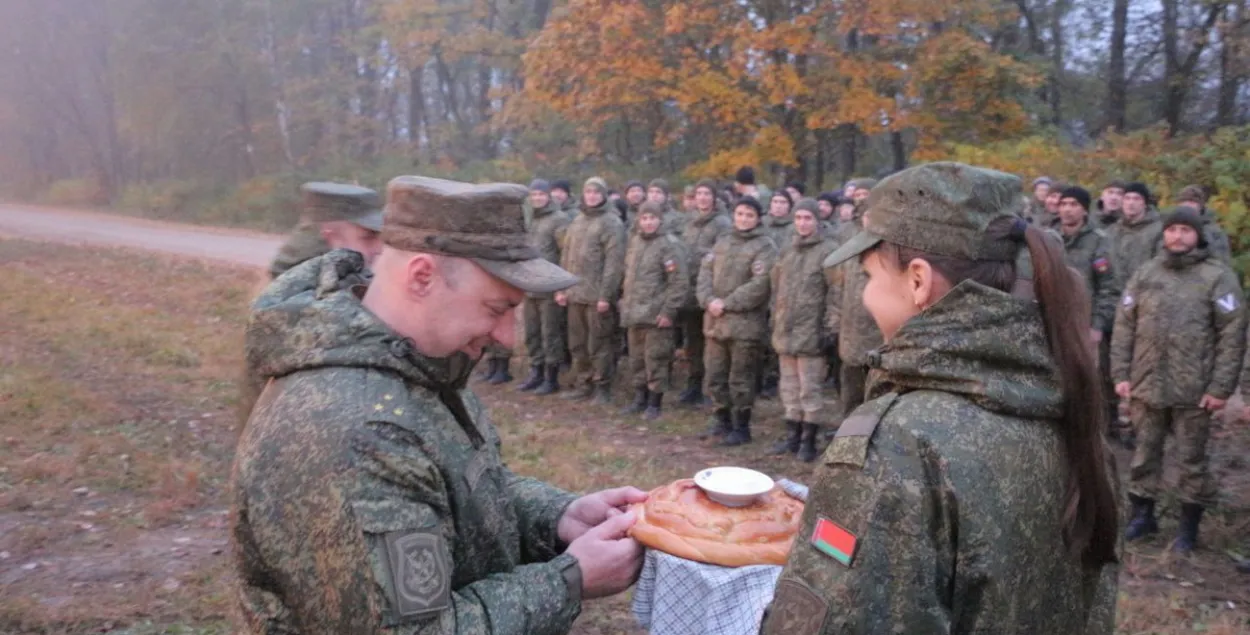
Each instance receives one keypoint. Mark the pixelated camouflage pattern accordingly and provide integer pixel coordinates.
(651, 357)
(593, 249)
(359, 439)
(1217, 238)
(1180, 331)
(780, 229)
(1134, 243)
(956, 497)
(801, 294)
(304, 244)
(546, 230)
(656, 281)
(857, 332)
(1083, 251)
(700, 236)
(736, 272)
(1190, 428)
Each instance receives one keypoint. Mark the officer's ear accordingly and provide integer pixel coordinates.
(420, 274)
(925, 285)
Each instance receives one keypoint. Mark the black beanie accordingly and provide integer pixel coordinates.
(562, 184)
(798, 187)
(1079, 193)
(1186, 216)
(750, 202)
(830, 197)
(633, 184)
(746, 175)
(1138, 188)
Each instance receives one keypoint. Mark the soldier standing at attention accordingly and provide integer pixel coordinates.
(334, 216)
(707, 223)
(673, 221)
(800, 295)
(656, 283)
(744, 185)
(593, 250)
(368, 494)
(1179, 340)
(734, 292)
(1111, 203)
(780, 225)
(635, 196)
(974, 492)
(544, 319)
(562, 195)
(1195, 197)
(1138, 236)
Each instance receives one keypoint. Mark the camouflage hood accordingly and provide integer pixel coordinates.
(983, 344)
(312, 318)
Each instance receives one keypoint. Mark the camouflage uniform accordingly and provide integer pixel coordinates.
(304, 244)
(854, 327)
(1216, 237)
(544, 319)
(801, 294)
(1088, 251)
(1179, 335)
(656, 284)
(594, 250)
(1134, 243)
(700, 236)
(938, 508)
(323, 203)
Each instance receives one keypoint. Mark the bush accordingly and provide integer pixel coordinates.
(75, 193)
(171, 200)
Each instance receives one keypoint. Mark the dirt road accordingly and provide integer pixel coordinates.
(72, 226)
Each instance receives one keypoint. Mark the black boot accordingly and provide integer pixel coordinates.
(534, 380)
(807, 447)
(692, 396)
(603, 394)
(653, 406)
(491, 367)
(1143, 522)
(768, 388)
(639, 403)
(741, 433)
(501, 376)
(790, 443)
(1187, 536)
(551, 383)
(719, 426)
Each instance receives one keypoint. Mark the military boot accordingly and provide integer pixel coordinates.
(768, 387)
(807, 447)
(1143, 522)
(639, 403)
(582, 393)
(692, 396)
(551, 383)
(1187, 535)
(502, 375)
(603, 394)
(789, 444)
(490, 368)
(534, 380)
(741, 433)
(653, 406)
(718, 426)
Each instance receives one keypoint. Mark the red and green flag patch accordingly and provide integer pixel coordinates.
(835, 541)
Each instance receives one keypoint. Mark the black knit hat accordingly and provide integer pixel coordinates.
(750, 202)
(1138, 188)
(562, 184)
(633, 184)
(1186, 216)
(833, 198)
(798, 187)
(1076, 192)
(745, 175)
(783, 194)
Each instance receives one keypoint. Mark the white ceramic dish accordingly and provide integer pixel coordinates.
(733, 486)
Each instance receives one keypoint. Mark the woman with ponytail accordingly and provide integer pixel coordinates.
(973, 491)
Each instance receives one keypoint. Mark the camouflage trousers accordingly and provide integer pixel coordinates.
(592, 340)
(731, 367)
(801, 381)
(852, 381)
(545, 324)
(498, 353)
(1192, 427)
(651, 357)
(691, 325)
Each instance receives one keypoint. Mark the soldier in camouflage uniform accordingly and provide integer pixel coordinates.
(594, 250)
(1110, 204)
(800, 331)
(544, 319)
(1035, 202)
(851, 324)
(1195, 198)
(334, 216)
(368, 494)
(849, 226)
(940, 506)
(827, 204)
(734, 292)
(635, 196)
(656, 285)
(744, 185)
(673, 221)
(707, 224)
(1138, 236)
(1179, 340)
(780, 225)
(562, 195)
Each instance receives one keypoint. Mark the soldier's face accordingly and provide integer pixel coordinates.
(1134, 205)
(1071, 213)
(1180, 239)
(779, 207)
(656, 195)
(1112, 198)
(805, 223)
(539, 199)
(636, 195)
(484, 308)
(592, 196)
(1052, 202)
(688, 203)
(560, 196)
(846, 212)
(1041, 191)
(704, 199)
(649, 223)
(825, 207)
(745, 218)
(344, 235)
(892, 296)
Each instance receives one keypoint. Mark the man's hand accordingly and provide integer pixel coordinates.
(561, 299)
(1211, 404)
(1123, 389)
(603, 306)
(716, 307)
(610, 560)
(663, 322)
(592, 510)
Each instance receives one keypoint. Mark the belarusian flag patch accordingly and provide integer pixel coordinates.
(835, 541)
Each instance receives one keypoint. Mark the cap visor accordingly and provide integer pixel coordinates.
(371, 221)
(858, 244)
(531, 276)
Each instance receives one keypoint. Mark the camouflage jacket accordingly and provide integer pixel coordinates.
(829, 229)
(1089, 252)
(736, 272)
(847, 230)
(801, 294)
(1180, 331)
(1217, 239)
(368, 493)
(945, 493)
(305, 243)
(1134, 243)
(672, 222)
(781, 230)
(700, 236)
(857, 331)
(546, 229)
(1037, 214)
(655, 279)
(594, 250)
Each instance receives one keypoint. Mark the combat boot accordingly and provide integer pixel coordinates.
(603, 394)
(491, 367)
(790, 443)
(807, 447)
(718, 426)
(1143, 522)
(741, 433)
(534, 380)
(502, 375)
(653, 406)
(692, 396)
(551, 383)
(639, 403)
(768, 387)
(1187, 535)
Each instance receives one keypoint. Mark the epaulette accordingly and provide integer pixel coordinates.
(850, 444)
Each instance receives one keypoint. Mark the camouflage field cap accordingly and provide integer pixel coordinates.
(939, 208)
(328, 202)
(484, 223)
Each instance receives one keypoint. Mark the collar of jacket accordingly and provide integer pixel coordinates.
(700, 219)
(1185, 260)
(803, 242)
(1080, 233)
(1149, 216)
(549, 209)
(598, 210)
(754, 232)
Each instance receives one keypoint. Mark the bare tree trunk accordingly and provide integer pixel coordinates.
(278, 81)
(1117, 84)
(418, 115)
(898, 149)
(1232, 63)
(1058, 11)
(1178, 72)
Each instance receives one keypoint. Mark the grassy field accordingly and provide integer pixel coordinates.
(117, 378)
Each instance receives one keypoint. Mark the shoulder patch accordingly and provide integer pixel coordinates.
(1128, 300)
(757, 267)
(420, 573)
(670, 265)
(709, 257)
(1227, 303)
(850, 444)
(796, 610)
(1102, 265)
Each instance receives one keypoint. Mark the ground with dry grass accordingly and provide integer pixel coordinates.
(117, 378)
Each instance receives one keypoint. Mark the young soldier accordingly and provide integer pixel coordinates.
(780, 225)
(706, 225)
(544, 319)
(850, 323)
(1138, 236)
(1195, 198)
(734, 292)
(1179, 341)
(1111, 202)
(656, 283)
(800, 295)
(561, 193)
(635, 196)
(672, 221)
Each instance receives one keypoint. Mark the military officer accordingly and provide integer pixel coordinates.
(333, 216)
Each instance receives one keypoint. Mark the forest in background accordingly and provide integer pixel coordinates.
(214, 110)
